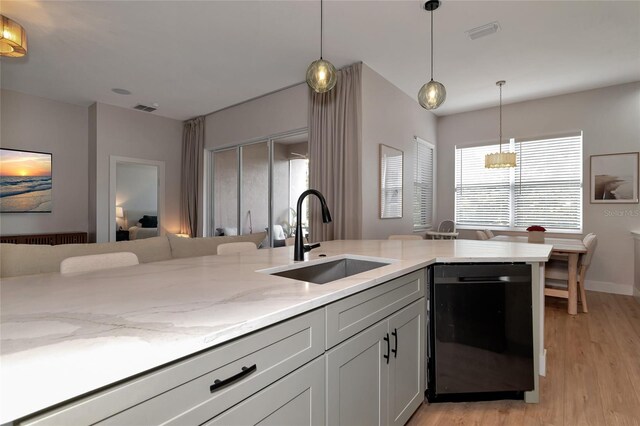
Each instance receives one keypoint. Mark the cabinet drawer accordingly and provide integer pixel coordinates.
(296, 400)
(182, 393)
(353, 314)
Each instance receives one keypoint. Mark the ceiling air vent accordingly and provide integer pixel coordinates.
(144, 108)
(484, 30)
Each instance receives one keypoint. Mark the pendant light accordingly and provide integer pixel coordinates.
(500, 160)
(13, 38)
(321, 74)
(432, 94)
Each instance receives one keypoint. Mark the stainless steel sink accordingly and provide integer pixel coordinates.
(322, 273)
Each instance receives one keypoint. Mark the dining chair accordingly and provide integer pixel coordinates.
(405, 237)
(96, 262)
(489, 233)
(558, 271)
(234, 248)
(447, 226)
(482, 235)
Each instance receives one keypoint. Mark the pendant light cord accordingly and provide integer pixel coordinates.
(431, 13)
(500, 141)
(321, 13)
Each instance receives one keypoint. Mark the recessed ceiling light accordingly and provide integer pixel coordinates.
(483, 30)
(121, 91)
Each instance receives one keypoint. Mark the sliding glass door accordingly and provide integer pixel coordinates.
(254, 184)
(225, 190)
(255, 187)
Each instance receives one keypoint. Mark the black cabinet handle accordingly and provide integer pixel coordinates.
(219, 384)
(395, 350)
(386, 339)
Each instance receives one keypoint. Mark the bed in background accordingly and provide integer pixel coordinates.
(142, 225)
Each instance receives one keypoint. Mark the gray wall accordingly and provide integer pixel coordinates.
(609, 119)
(39, 124)
(129, 133)
(268, 115)
(390, 117)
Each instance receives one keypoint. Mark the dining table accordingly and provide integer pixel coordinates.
(570, 248)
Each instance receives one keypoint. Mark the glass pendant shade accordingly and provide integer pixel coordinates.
(500, 160)
(13, 38)
(432, 95)
(321, 76)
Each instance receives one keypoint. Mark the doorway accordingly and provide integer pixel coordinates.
(136, 201)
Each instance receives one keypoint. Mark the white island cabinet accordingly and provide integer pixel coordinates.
(217, 340)
(376, 377)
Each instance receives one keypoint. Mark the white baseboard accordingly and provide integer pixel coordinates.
(607, 287)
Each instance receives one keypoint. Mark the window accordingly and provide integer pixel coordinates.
(423, 186)
(544, 189)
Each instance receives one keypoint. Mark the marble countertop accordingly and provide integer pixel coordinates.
(64, 336)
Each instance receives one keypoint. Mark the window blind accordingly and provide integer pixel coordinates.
(423, 186)
(548, 183)
(482, 195)
(544, 189)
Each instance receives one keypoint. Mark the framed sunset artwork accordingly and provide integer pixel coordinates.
(25, 181)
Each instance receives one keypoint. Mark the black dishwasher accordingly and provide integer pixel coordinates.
(480, 332)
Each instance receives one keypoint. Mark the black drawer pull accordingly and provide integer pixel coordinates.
(386, 339)
(395, 350)
(219, 384)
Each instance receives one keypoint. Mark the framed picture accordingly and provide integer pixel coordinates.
(614, 178)
(391, 169)
(25, 181)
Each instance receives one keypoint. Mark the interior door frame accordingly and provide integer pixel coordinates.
(160, 185)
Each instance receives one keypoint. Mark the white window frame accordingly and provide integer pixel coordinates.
(420, 227)
(513, 186)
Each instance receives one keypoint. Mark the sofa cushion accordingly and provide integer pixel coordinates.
(26, 259)
(192, 247)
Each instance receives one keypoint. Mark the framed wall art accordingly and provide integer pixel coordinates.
(25, 181)
(614, 178)
(391, 171)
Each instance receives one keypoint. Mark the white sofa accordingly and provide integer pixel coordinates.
(27, 259)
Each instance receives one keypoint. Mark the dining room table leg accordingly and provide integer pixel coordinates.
(572, 306)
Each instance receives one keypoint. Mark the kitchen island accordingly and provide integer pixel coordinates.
(67, 336)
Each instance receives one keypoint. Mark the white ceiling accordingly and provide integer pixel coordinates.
(196, 57)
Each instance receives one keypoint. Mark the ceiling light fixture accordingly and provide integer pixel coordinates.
(432, 94)
(13, 39)
(483, 30)
(500, 160)
(321, 74)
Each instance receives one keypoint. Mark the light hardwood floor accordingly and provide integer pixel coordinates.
(593, 373)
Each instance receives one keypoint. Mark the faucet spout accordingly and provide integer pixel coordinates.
(299, 247)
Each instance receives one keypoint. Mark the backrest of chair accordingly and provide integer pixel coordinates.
(590, 242)
(239, 247)
(96, 262)
(405, 237)
(447, 226)
(482, 235)
(489, 233)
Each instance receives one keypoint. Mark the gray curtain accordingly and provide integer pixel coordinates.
(335, 140)
(190, 182)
